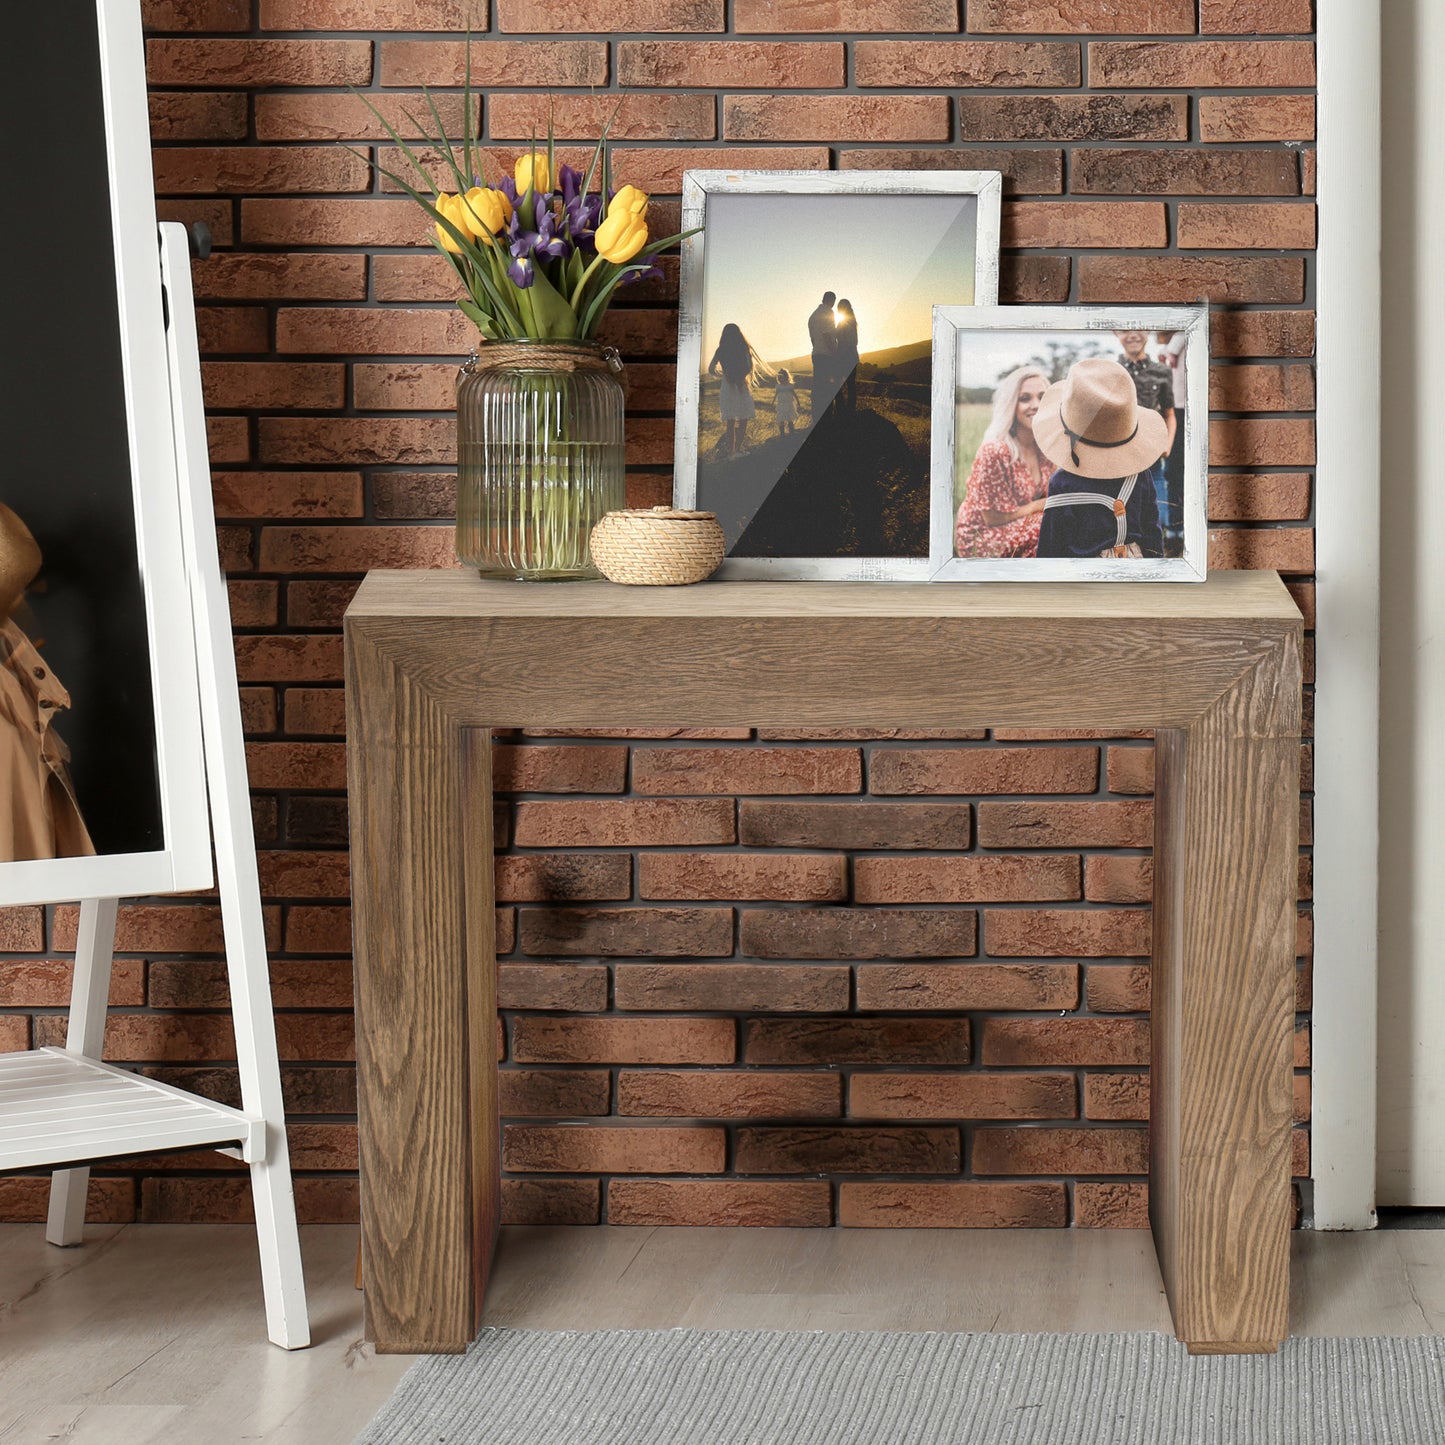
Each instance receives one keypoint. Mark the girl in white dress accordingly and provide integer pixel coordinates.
(736, 359)
(785, 402)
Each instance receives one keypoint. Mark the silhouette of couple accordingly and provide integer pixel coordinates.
(833, 331)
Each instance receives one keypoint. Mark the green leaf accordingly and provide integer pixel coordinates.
(555, 318)
(463, 182)
(473, 160)
(479, 318)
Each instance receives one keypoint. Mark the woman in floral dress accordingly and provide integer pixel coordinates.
(1003, 502)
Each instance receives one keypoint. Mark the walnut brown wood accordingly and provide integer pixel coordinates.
(434, 659)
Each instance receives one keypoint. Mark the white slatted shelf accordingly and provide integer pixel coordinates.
(57, 1108)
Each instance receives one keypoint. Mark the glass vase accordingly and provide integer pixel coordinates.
(539, 456)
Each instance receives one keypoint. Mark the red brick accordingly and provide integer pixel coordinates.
(854, 825)
(1118, 988)
(265, 277)
(1073, 117)
(217, 215)
(1265, 226)
(540, 769)
(1262, 333)
(414, 15)
(1281, 549)
(258, 62)
(795, 878)
(692, 1094)
(1072, 17)
(274, 385)
(836, 117)
(232, 328)
(962, 1096)
(1118, 879)
(284, 494)
(551, 1201)
(1060, 1151)
(22, 929)
(965, 880)
(318, 929)
(747, 770)
(852, 735)
(1262, 441)
(776, 1204)
(197, 115)
(1266, 497)
(137, 1038)
(1111, 1206)
(857, 1041)
(346, 330)
(563, 877)
(45, 982)
(965, 1205)
(245, 170)
(1025, 172)
(847, 16)
(1087, 933)
(1066, 825)
(1140, 279)
(968, 986)
(641, 333)
(25, 1200)
(1272, 387)
(949, 64)
(772, 65)
(196, 14)
(733, 734)
(623, 1041)
(494, 62)
(632, 117)
(1131, 770)
(355, 549)
(567, 1149)
(662, 822)
(861, 1150)
(296, 765)
(15, 1037)
(1071, 1042)
(575, 988)
(559, 1093)
(1225, 64)
(491, 162)
(650, 932)
(159, 928)
(770, 988)
(335, 115)
(1084, 224)
(1256, 117)
(1117, 1096)
(1221, 171)
(1029, 280)
(289, 659)
(571, 16)
(660, 168)
(984, 770)
(258, 706)
(255, 604)
(1256, 17)
(304, 875)
(857, 933)
(352, 222)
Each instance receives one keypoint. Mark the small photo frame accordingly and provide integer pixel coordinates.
(805, 360)
(1070, 443)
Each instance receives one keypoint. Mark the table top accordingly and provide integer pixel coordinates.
(458, 593)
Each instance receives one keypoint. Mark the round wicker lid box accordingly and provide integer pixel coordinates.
(657, 546)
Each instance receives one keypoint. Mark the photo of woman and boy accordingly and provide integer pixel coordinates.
(1076, 451)
(815, 393)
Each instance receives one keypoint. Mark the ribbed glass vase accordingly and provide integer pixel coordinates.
(539, 456)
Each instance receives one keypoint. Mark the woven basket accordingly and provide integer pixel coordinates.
(657, 547)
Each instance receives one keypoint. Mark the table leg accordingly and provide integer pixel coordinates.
(1226, 848)
(420, 789)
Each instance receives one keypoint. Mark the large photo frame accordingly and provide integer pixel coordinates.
(805, 359)
(100, 735)
(1070, 444)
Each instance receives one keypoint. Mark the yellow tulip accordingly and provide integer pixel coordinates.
(484, 212)
(532, 173)
(629, 199)
(453, 210)
(621, 235)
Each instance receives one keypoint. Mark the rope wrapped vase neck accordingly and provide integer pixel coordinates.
(545, 356)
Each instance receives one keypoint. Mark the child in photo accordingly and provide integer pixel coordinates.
(1108, 452)
(785, 402)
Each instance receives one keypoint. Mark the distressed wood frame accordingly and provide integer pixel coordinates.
(987, 186)
(948, 323)
(435, 659)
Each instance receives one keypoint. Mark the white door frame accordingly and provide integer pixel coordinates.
(1347, 571)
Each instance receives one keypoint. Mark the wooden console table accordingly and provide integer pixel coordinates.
(434, 659)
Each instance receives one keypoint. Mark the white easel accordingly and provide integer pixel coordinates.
(59, 1107)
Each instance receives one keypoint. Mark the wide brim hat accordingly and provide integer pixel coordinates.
(1091, 423)
(19, 560)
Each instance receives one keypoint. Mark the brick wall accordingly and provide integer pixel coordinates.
(870, 979)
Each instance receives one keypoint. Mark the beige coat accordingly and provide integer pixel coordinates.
(39, 817)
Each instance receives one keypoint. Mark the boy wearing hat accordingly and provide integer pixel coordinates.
(1107, 449)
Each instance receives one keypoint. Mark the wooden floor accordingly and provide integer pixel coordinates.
(154, 1333)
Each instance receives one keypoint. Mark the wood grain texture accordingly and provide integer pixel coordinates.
(436, 658)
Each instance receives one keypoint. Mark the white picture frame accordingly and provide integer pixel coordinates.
(183, 861)
(952, 325)
(698, 186)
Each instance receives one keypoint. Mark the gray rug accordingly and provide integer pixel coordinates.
(701, 1387)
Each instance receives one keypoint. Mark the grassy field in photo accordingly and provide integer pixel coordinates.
(970, 422)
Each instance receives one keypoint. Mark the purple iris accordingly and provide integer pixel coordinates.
(648, 273)
(544, 241)
(581, 211)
